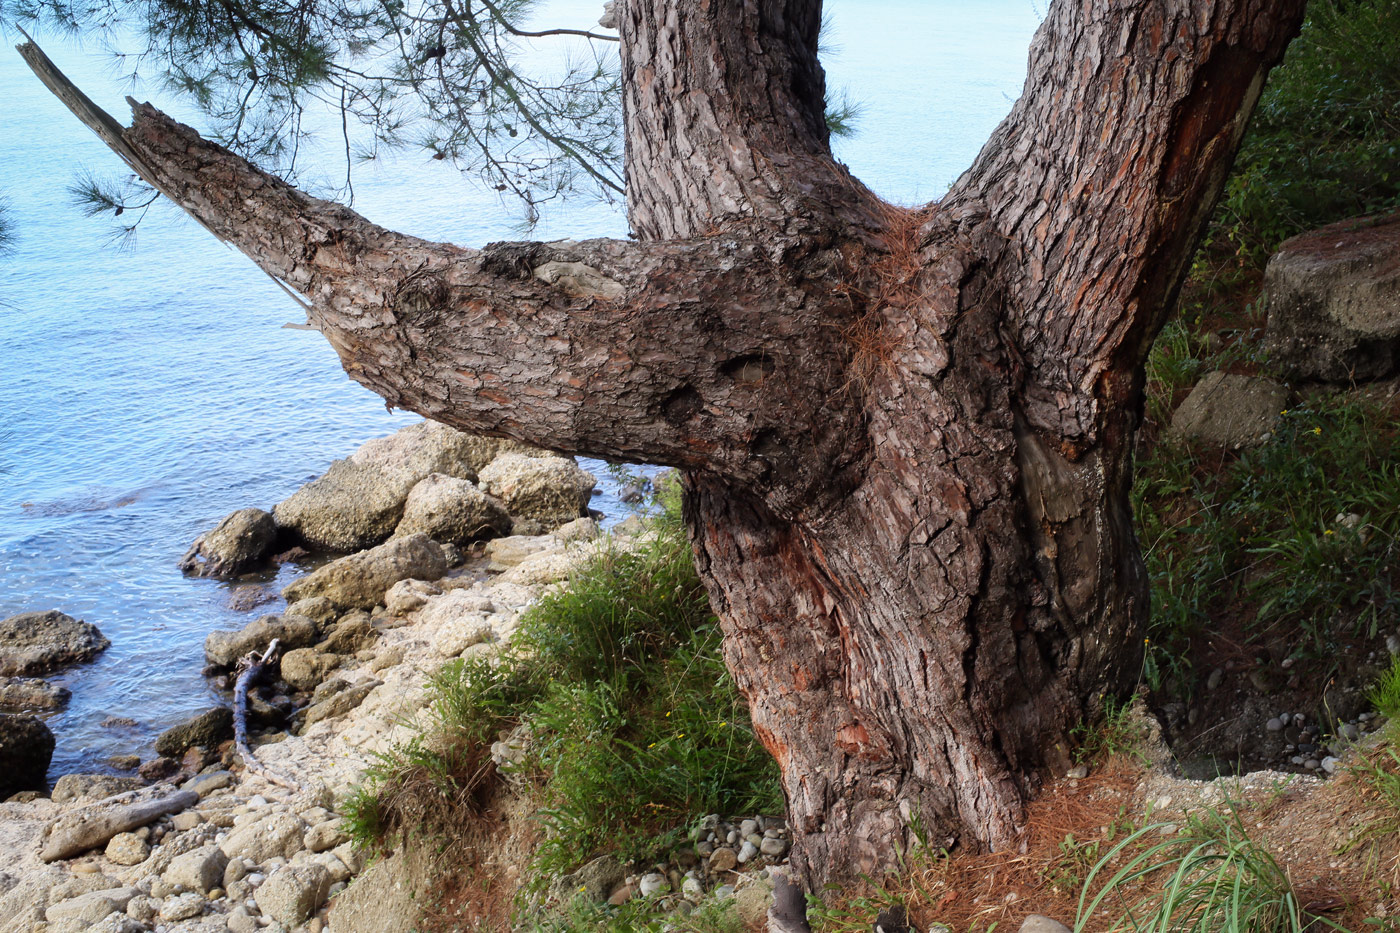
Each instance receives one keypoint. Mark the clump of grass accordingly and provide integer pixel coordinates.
(1116, 731)
(1209, 877)
(635, 728)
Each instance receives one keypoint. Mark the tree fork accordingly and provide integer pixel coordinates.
(906, 460)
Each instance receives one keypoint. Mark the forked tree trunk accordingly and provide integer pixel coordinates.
(905, 435)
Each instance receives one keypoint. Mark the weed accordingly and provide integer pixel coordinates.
(1209, 877)
(1117, 731)
(1384, 694)
(1077, 857)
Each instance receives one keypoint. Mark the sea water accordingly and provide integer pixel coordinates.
(147, 390)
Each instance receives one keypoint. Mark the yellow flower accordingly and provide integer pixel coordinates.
(1329, 531)
(1317, 430)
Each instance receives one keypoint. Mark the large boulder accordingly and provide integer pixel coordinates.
(453, 511)
(551, 490)
(26, 748)
(1230, 410)
(38, 642)
(360, 580)
(1334, 302)
(223, 649)
(236, 544)
(360, 500)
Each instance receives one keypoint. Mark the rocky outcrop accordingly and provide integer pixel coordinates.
(361, 580)
(551, 490)
(223, 649)
(452, 511)
(1334, 302)
(26, 748)
(1230, 410)
(235, 545)
(360, 500)
(38, 642)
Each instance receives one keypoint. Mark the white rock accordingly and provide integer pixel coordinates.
(653, 884)
(182, 907)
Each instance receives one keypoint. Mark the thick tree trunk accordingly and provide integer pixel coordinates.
(906, 436)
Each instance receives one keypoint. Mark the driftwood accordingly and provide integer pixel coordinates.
(252, 666)
(93, 826)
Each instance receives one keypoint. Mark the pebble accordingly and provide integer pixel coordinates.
(748, 827)
(747, 853)
(1077, 773)
(723, 859)
(1351, 732)
(773, 848)
(1215, 678)
(724, 891)
(732, 837)
(704, 849)
(1312, 764)
(1392, 644)
(1274, 725)
(1330, 764)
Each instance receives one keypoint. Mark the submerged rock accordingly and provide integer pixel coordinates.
(38, 642)
(236, 544)
(20, 693)
(361, 580)
(26, 748)
(550, 490)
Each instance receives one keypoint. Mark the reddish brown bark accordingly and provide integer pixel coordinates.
(906, 436)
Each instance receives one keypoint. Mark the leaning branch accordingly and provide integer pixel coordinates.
(703, 354)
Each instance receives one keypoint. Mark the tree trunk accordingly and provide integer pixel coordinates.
(905, 435)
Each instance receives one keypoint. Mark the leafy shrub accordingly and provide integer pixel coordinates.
(1324, 143)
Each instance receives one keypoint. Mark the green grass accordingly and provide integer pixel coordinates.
(636, 729)
(1300, 533)
(1209, 877)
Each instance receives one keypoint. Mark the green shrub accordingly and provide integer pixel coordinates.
(1385, 692)
(1324, 143)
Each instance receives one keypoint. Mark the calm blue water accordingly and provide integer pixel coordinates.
(146, 392)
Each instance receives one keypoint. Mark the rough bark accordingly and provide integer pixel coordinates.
(906, 435)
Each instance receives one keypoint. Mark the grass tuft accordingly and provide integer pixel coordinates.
(1211, 876)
